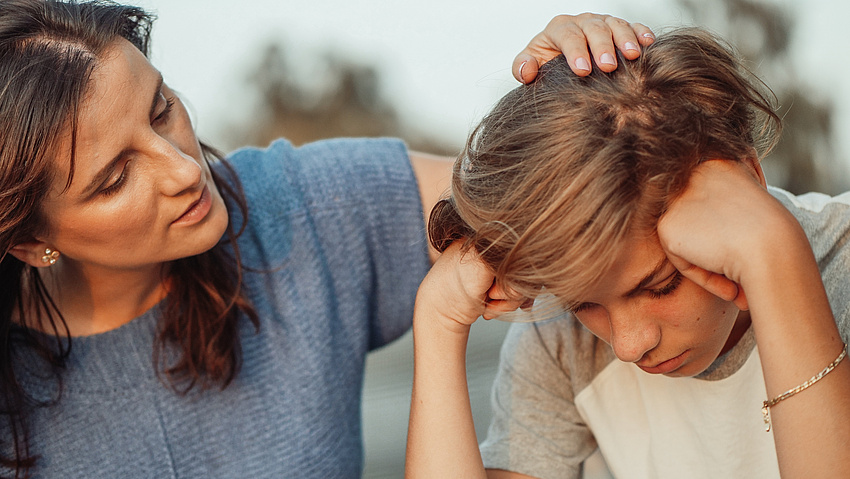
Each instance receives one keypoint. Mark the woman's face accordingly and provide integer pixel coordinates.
(654, 317)
(141, 193)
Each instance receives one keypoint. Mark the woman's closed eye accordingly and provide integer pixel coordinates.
(667, 287)
(115, 186)
(163, 115)
(160, 119)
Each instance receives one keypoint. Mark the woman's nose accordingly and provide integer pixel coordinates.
(180, 172)
(632, 335)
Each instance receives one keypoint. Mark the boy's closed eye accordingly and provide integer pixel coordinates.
(666, 287)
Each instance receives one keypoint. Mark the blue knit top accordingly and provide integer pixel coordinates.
(335, 249)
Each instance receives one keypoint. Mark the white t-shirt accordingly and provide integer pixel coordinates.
(560, 392)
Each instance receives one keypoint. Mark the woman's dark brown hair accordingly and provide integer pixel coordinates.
(48, 49)
(555, 177)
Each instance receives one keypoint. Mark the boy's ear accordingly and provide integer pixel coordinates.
(754, 166)
(34, 253)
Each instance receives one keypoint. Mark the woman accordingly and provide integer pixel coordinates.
(165, 312)
(635, 200)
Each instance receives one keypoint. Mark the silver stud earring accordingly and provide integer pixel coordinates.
(50, 256)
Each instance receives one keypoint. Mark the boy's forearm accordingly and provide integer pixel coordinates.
(441, 439)
(797, 337)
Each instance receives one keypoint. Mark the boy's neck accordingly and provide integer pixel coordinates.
(742, 324)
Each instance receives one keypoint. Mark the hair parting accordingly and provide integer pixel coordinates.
(562, 170)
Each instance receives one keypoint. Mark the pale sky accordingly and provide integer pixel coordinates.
(443, 62)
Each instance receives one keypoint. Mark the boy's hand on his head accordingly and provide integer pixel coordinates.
(573, 34)
(455, 289)
(716, 231)
(460, 288)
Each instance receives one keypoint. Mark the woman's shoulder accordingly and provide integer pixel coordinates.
(321, 166)
(340, 194)
(282, 179)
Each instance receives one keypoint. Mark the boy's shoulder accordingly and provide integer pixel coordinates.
(826, 222)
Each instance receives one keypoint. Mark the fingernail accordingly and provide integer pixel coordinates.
(649, 36)
(630, 46)
(521, 66)
(607, 59)
(582, 64)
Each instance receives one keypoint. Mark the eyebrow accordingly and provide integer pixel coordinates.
(104, 172)
(649, 278)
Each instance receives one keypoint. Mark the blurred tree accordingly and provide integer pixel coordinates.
(343, 99)
(346, 98)
(805, 158)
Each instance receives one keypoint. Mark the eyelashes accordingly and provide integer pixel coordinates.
(166, 112)
(669, 288)
(579, 307)
(116, 185)
(656, 293)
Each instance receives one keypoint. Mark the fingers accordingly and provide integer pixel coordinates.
(714, 283)
(500, 301)
(602, 34)
(605, 34)
(525, 67)
(495, 308)
(628, 37)
(573, 34)
(741, 300)
(643, 34)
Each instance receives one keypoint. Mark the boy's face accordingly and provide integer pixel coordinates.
(653, 316)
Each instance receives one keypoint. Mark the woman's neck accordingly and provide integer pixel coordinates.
(94, 300)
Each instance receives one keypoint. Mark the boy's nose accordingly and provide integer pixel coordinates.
(632, 336)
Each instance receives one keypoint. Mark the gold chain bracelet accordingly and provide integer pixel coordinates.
(765, 409)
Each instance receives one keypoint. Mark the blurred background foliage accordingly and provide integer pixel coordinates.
(345, 98)
(805, 158)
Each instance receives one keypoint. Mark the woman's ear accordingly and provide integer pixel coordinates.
(754, 167)
(35, 253)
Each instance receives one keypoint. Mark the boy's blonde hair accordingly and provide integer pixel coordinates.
(555, 177)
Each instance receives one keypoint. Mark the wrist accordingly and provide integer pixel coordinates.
(777, 245)
(428, 318)
(783, 249)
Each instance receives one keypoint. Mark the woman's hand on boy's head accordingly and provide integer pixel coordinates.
(573, 34)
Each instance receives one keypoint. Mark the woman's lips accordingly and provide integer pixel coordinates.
(198, 211)
(667, 366)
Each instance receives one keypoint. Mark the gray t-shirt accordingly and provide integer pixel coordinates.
(560, 392)
(335, 247)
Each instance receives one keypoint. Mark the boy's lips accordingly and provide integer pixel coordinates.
(667, 366)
